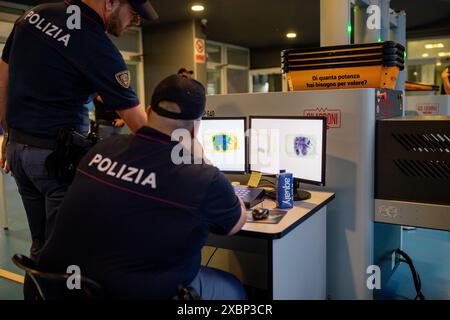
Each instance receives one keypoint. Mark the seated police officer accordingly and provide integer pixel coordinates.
(148, 241)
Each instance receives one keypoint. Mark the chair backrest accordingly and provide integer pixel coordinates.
(53, 286)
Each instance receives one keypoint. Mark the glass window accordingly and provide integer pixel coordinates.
(10, 10)
(128, 42)
(237, 80)
(227, 73)
(413, 73)
(427, 58)
(214, 53)
(267, 82)
(422, 73)
(237, 57)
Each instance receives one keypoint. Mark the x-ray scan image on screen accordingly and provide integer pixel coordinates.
(223, 142)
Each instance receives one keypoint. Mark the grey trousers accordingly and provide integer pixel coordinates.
(214, 284)
(41, 195)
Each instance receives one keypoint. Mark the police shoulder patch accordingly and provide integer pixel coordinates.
(123, 78)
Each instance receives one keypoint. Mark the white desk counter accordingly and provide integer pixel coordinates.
(301, 212)
(286, 260)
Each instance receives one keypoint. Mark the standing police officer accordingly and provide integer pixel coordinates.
(57, 58)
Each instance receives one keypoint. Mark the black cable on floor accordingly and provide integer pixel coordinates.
(416, 278)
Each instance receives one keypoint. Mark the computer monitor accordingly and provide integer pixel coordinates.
(295, 144)
(224, 143)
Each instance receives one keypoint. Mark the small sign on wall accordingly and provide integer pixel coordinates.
(427, 109)
(199, 50)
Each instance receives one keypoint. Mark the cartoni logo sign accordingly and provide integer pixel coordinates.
(334, 116)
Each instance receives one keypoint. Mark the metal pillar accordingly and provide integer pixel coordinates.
(400, 37)
(334, 21)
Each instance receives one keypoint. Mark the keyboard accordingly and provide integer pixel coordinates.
(250, 196)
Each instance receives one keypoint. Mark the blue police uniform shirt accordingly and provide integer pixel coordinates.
(135, 222)
(55, 70)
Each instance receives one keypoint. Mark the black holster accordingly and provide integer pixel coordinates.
(71, 147)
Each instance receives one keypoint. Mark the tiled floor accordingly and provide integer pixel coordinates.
(14, 240)
(430, 252)
(429, 249)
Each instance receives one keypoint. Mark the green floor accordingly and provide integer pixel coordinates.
(14, 240)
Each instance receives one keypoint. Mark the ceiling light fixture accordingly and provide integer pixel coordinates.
(425, 55)
(438, 64)
(444, 54)
(291, 35)
(198, 7)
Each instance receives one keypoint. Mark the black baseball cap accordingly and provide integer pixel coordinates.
(145, 9)
(188, 94)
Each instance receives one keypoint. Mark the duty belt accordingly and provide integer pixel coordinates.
(18, 136)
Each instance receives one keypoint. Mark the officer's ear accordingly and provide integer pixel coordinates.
(148, 110)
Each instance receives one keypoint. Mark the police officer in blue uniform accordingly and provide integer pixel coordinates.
(148, 241)
(57, 58)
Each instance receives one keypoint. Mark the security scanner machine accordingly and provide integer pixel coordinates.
(412, 173)
(351, 118)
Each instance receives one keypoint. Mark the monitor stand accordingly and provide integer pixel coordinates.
(299, 194)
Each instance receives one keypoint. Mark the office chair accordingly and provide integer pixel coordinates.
(53, 286)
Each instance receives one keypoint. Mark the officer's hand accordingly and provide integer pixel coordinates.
(3, 162)
(119, 123)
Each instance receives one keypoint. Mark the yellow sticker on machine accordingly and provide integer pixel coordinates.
(343, 78)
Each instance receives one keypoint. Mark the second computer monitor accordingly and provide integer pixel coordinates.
(224, 143)
(295, 144)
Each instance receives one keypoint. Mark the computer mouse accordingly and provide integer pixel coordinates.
(260, 213)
